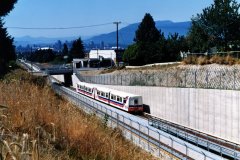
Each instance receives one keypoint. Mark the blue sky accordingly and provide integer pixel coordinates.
(74, 13)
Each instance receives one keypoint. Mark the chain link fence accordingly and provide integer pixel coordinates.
(228, 79)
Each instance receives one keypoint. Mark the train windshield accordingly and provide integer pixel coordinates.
(135, 101)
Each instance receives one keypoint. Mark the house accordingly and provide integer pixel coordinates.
(99, 58)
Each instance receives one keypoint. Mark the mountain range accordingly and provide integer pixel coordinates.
(126, 34)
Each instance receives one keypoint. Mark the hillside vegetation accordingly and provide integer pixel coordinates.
(35, 123)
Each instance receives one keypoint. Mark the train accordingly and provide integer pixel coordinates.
(121, 100)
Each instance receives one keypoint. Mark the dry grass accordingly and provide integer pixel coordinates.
(190, 60)
(53, 127)
(202, 60)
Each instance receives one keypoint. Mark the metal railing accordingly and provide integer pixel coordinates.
(208, 142)
(154, 138)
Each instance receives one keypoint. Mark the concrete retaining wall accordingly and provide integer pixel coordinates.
(213, 111)
(59, 77)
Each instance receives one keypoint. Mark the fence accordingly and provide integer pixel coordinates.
(150, 139)
(228, 79)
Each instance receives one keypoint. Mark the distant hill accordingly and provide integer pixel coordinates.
(126, 34)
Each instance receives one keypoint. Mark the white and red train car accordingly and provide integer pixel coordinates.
(122, 100)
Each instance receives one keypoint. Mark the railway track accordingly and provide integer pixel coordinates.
(216, 145)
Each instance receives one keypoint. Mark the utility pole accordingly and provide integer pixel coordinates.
(98, 61)
(117, 23)
(31, 61)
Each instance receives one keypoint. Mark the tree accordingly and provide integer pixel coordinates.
(6, 6)
(65, 49)
(145, 50)
(217, 26)
(7, 50)
(174, 44)
(147, 31)
(42, 56)
(77, 50)
(130, 55)
(58, 45)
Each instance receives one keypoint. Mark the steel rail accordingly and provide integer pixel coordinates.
(209, 142)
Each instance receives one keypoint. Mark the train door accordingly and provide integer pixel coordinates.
(94, 92)
(108, 97)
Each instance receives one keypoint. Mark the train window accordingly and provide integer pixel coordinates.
(124, 101)
(135, 101)
(98, 92)
(103, 94)
(120, 99)
(107, 95)
(111, 96)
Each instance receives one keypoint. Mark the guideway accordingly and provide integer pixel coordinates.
(211, 143)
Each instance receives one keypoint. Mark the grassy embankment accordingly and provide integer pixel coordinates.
(36, 123)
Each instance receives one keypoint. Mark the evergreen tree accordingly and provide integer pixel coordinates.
(217, 26)
(145, 50)
(77, 50)
(174, 44)
(6, 6)
(65, 49)
(147, 31)
(7, 50)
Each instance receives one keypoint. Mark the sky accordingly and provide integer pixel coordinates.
(80, 13)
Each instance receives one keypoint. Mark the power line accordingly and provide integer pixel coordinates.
(59, 28)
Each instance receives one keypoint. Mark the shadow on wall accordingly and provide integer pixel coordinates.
(146, 108)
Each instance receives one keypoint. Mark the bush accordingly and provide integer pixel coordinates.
(230, 60)
(190, 60)
(202, 60)
(217, 59)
